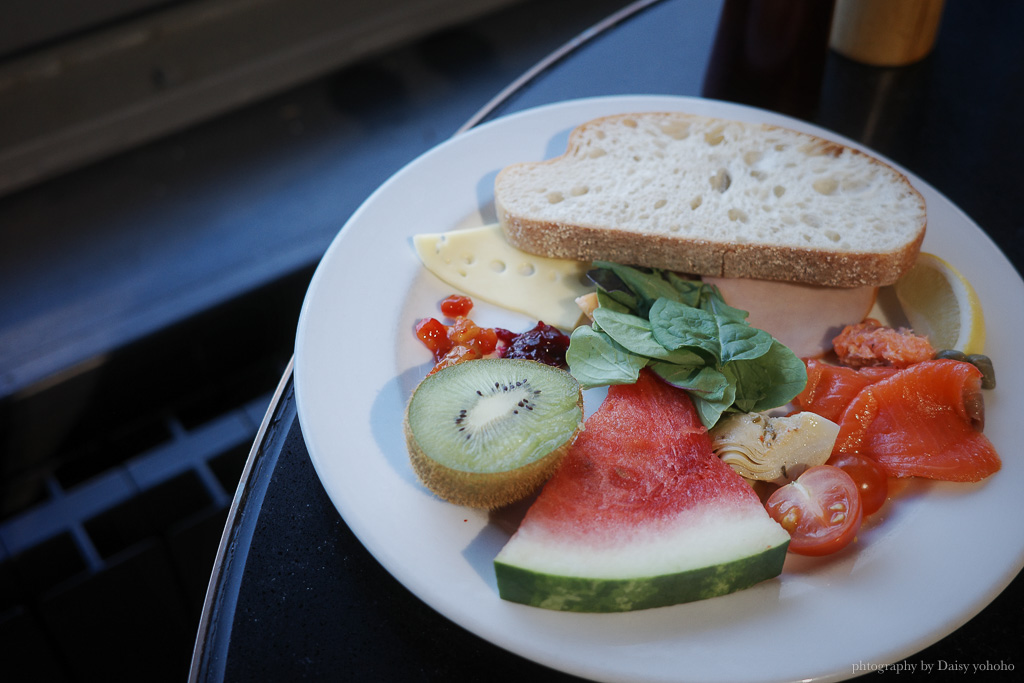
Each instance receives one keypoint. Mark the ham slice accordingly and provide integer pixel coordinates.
(803, 317)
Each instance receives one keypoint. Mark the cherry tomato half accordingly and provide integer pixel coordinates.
(871, 479)
(821, 510)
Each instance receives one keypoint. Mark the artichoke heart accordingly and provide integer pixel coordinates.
(773, 449)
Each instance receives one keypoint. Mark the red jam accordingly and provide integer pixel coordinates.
(544, 344)
(463, 339)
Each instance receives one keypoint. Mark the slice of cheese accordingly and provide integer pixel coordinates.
(482, 264)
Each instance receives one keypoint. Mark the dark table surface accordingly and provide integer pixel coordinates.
(295, 596)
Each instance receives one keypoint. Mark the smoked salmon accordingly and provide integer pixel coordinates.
(922, 421)
(830, 388)
(870, 343)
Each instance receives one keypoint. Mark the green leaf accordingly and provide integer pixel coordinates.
(711, 391)
(713, 302)
(607, 301)
(595, 360)
(611, 287)
(769, 381)
(707, 382)
(678, 326)
(690, 291)
(686, 332)
(710, 412)
(740, 341)
(634, 334)
(647, 287)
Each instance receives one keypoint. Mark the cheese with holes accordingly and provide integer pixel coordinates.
(480, 263)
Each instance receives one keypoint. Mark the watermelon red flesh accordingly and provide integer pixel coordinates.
(916, 424)
(640, 513)
(644, 457)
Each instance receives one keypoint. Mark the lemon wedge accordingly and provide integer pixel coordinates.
(940, 303)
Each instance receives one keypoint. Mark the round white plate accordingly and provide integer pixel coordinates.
(938, 556)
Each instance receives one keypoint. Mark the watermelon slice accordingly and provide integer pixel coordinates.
(640, 514)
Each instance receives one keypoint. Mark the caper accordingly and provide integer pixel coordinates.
(950, 354)
(988, 371)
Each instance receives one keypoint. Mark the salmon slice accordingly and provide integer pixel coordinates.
(830, 388)
(922, 421)
(870, 343)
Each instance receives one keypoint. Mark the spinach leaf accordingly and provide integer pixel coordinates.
(709, 383)
(686, 332)
(711, 391)
(596, 360)
(634, 334)
(740, 341)
(646, 287)
(768, 381)
(712, 301)
(612, 287)
(678, 326)
(690, 291)
(607, 301)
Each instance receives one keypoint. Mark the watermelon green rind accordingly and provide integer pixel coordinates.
(582, 594)
(703, 553)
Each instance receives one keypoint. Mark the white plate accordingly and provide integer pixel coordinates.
(941, 554)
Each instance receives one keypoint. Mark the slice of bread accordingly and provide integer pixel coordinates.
(707, 196)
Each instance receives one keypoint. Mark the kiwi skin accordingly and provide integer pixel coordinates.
(485, 490)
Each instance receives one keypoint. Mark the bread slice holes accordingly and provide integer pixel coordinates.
(555, 197)
(579, 190)
(778, 190)
(677, 130)
(853, 185)
(600, 135)
(751, 157)
(526, 269)
(660, 203)
(833, 235)
(721, 180)
(737, 215)
(810, 220)
(629, 123)
(714, 136)
(498, 266)
(825, 186)
(696, 202)
(597, 153)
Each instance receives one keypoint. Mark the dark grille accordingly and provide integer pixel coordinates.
(108, 556)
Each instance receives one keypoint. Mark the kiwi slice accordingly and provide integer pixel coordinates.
(487, 432)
